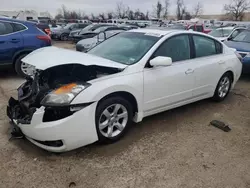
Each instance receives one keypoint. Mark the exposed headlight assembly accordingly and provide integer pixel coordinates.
(63, 95)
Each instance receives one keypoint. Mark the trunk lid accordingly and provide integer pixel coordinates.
(48, 57)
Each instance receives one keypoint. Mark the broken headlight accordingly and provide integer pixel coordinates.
(63, 95)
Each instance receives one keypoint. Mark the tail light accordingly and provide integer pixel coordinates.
(48, 32)
(45, 38)
(239, 56)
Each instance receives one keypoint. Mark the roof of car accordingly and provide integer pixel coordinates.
(225, 28)
(154, 31)
(14, 20)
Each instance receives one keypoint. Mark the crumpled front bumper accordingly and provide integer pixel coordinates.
(66, 134)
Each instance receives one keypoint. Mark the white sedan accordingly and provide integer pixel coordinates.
(73, 99)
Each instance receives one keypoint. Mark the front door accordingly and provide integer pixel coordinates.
(10, 41)
(168, 86)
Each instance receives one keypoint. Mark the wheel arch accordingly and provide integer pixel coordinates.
(126, 95)
(19, 53)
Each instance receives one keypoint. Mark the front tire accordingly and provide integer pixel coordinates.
(223, 87)
(113, 119)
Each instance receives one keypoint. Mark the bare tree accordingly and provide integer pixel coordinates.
(102, 16)
(147, 15)
(236, 9)
(198, 9)
(158, 8)
(166, 9)
(121, 10)
(110, 15)
(180, 10)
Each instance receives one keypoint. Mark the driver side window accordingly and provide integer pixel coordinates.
(176, 47)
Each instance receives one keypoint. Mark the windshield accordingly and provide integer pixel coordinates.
(100, 29)
(244, 36)
(68, 26)
(86, 28)
(126, 48)
(221, 32)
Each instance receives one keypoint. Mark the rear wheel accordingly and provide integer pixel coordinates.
(64, 37)
(113, 119)
(22, 69)
(223, 87)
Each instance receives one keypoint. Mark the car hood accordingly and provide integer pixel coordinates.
(239, 46)
(87, 41)
(48, 57)
(221, 38)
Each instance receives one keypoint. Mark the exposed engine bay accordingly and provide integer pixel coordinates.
(32, 92)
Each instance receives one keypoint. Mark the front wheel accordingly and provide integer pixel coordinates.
(24, 70)
(223, 87)
(113, 119)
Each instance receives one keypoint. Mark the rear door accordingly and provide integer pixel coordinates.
(208, 64)
(10, 41)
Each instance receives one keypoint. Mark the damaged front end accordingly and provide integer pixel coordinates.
(54, 89)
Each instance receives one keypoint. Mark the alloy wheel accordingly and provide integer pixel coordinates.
(113, 120)
(224, 87)
(26, 69)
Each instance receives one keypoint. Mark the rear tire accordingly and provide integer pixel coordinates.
(64, 37)
(113, 119)
(18, 66)
(223, 87)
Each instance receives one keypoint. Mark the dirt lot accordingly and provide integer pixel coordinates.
(174, 149)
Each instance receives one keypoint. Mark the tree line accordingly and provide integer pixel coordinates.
(234, 10)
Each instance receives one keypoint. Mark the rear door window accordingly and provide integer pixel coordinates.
(18, 27)
(6, 28)
(205, 46)
(199, 28)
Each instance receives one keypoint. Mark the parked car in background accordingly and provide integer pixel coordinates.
(85, 44)
(241, 44)
(198, 28)
(17, 39)
(63, 32)
(75, 99)
(224, 33)
(45, 28)
(90, 34)
(88, 29)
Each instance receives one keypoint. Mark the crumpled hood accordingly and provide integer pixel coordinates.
(48, 57)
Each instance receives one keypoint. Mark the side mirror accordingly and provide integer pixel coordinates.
(230, 38)
(101, 36)
(70, 29)
(161, 61)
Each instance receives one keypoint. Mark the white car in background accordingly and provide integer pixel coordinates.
(74, 99)
(225, 33)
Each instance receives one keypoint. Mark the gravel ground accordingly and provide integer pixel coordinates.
(174, 149)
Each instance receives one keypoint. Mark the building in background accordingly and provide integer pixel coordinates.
(21, 15)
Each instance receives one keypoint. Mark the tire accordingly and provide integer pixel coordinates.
(64, 37)
(113, 121)
(222, 90)
(18, 66)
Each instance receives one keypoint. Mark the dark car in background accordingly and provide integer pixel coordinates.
(242, 44)
(91, 34)
(63, 32)
(87, 29)
(17, 39)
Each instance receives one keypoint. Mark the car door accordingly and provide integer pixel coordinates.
(10, 42)
(169, 86)
(208, 64)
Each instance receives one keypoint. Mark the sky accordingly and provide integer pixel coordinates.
(99, 6)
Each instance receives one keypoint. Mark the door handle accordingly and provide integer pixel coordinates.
(14, 40)
(189, 71)
(221, 62)
(1, 42)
